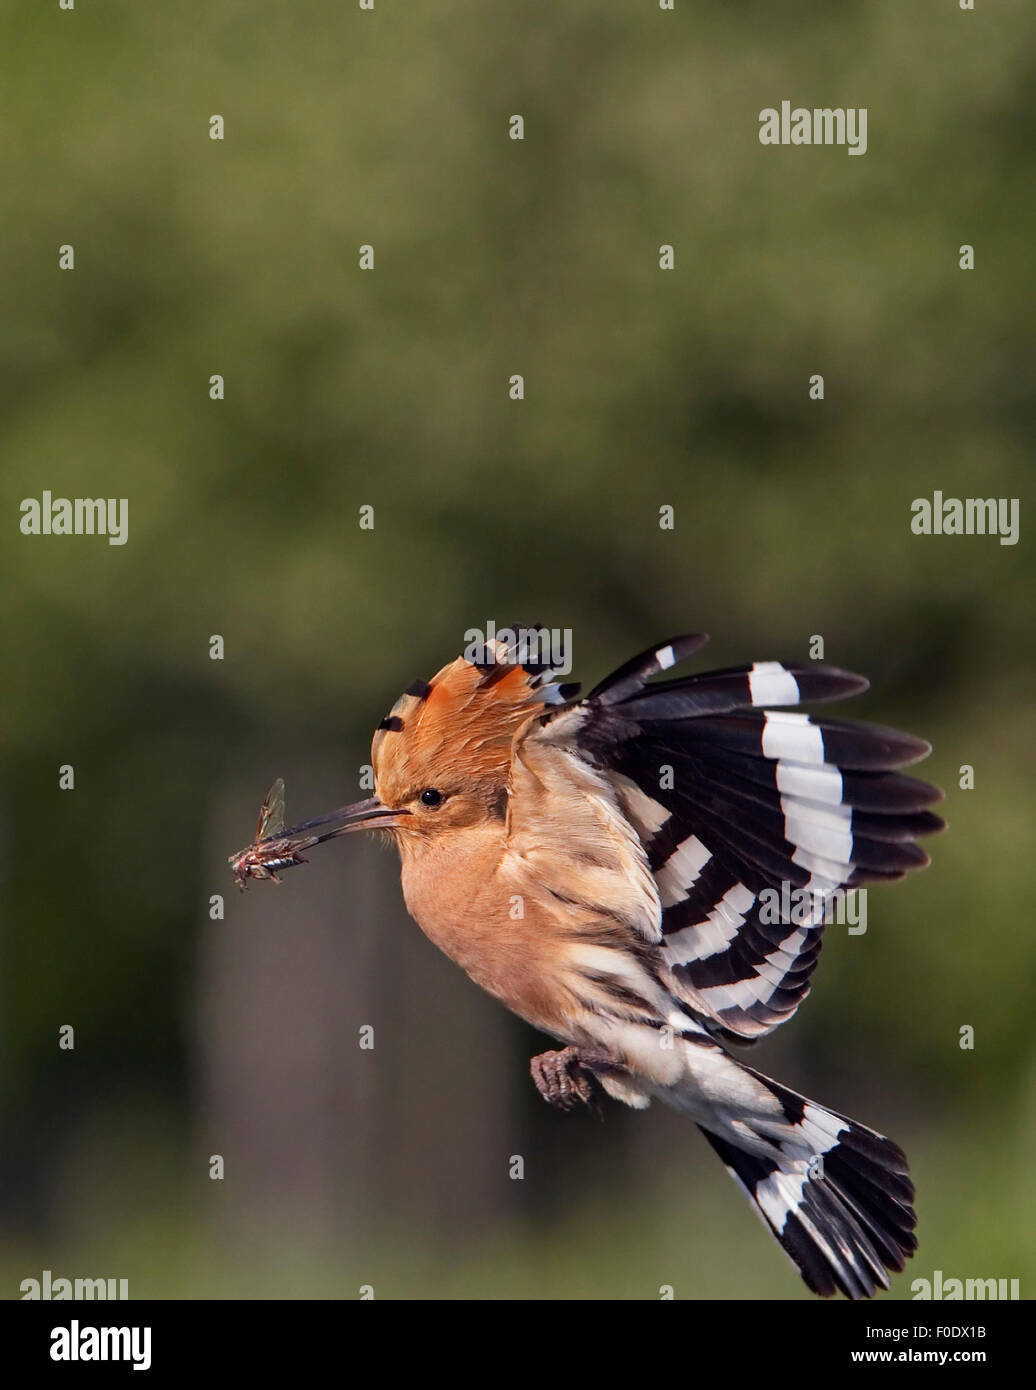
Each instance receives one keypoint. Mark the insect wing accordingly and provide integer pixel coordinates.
(271, 815)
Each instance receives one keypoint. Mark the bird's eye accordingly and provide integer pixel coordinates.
(431, 797)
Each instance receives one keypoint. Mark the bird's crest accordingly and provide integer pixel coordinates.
(462, 722)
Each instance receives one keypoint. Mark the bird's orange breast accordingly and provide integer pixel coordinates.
(460, 892)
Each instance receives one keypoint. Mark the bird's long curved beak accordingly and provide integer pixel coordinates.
(361, 815)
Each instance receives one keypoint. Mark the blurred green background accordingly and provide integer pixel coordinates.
(389, 388)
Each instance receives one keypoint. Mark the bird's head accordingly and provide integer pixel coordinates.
(443, 753)
(441, 757)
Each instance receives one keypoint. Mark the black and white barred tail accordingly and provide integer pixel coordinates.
(836, 1195)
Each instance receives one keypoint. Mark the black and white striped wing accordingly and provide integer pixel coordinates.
(752, 818)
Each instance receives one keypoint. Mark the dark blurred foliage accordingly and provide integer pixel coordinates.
(389, 388)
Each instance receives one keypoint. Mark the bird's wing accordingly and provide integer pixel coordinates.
(738, 809)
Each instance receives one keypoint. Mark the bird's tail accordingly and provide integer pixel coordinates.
(836, 1195)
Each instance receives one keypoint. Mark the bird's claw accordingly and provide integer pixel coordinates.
(564, 1078)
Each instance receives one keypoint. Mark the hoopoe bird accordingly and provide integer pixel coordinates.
(601, 866)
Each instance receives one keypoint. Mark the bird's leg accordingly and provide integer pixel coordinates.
(563, 1078)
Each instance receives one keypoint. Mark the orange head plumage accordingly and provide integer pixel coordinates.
(443, 753)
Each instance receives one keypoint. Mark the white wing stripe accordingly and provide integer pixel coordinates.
(792, 736)
(817, 783)
(770, 684)
(680, 871)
